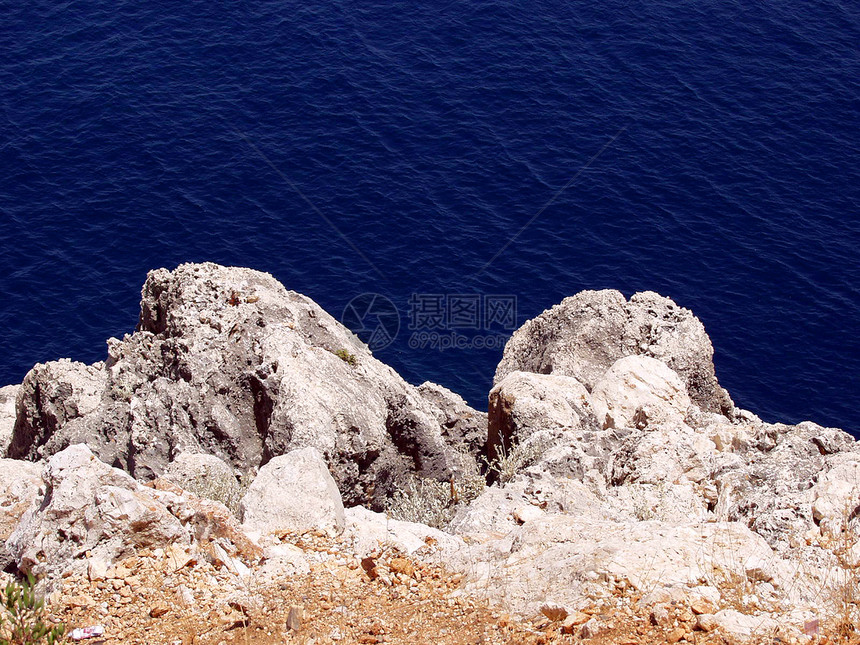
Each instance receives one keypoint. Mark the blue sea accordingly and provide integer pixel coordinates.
(471, 163)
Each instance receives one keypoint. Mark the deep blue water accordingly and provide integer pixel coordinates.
(395, 148)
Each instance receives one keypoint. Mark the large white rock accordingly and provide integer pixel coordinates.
(8, 394)
(567, 559)
(371, 531)
(20, 482)
(524, 403)
(89, 507)
(585, 334)
(293, 492)
(836, 494)
(639, 391)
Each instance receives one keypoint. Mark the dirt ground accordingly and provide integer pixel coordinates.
(178, 598)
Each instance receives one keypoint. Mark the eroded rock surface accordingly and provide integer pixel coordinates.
(585, 334)
(225, 361)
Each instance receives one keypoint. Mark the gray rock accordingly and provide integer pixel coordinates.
(292, 493)
(206, 476)
(59, 394)
(586, 333)
(8, 395)
(227, 362)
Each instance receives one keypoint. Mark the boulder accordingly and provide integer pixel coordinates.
(369, 532)
(585, 334)
(88, 509)
(292, 493)
(524, 403)
(637, 392)
(227, 362)
(836, 494)
(20, 487)
(206, 476)
(558, 558)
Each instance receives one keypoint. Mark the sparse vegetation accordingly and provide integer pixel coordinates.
(432, 502)
(845, 591)
(346, 357)
(218, 489)
(22, 619)
(512, 460)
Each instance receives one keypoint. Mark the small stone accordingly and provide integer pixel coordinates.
(660, 615)
(80, 601)
(294, 618)
(402, 566)
(573, 620)
(702, 606)
(554, 611)
(592, 629)
(158, 610)
(370, 568)
(528, 513)
(706, 622)
(97, 569)
(675, 635)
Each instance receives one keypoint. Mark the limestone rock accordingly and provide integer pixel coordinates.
(637, 392)
(836, 494)
(8, 396)
(54, 395)
(226, 361)
(88, 507)
(369, 531)
(559, 556)
(20, 482)
(293, 492)
(524, 403)
(737, 624)
(585, 334)
(20, 487)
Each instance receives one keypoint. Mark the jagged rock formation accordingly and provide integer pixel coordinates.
(585, 334)
(226, 361)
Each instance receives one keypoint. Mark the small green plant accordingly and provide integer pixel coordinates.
(346, 357)
(22, 619)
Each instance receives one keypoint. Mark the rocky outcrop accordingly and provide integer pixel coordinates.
(638, 391)
(56, 395)
(585, 334)
(227, 362)
(523, 404)
(88, 508)
(20, 484)
(620, 468)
